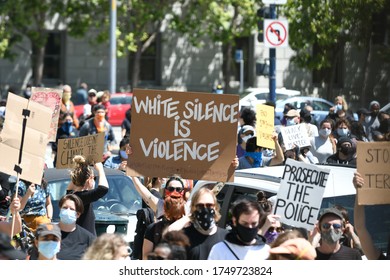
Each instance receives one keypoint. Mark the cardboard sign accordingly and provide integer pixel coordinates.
(300, 195)
(265, 126)
(35, 138)
(186, 133)
(295, 135)
(50, 98)
(373, 163)
(91, 147)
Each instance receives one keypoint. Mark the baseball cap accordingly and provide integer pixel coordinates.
(330, 211)
(247, 128)
(299, 247)
(8, 251)
(292, 113)
(342, 140)
(47, 229)
(363, 111)
(92, 92)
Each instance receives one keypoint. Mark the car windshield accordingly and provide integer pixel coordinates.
(122, 197)
(116, 100)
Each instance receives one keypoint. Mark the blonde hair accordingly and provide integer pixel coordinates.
(196, 197)
(105, 247)
(81, 171)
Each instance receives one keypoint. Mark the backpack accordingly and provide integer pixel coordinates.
(145, 217)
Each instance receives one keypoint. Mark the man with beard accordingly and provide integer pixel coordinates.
(243, 241)
(346, 152)
(331, 227)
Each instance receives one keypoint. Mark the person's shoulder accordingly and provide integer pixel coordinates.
(84, 232)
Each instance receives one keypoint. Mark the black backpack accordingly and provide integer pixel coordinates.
(145, 217)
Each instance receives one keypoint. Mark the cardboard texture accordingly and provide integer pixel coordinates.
(35, 139)
(51, 98)
(373, 163)
(295, 135)
(91, 147)
(166, 125)
(300, 194)
(265, 126)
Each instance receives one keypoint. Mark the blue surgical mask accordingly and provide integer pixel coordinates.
(342, 131)
(123, 154)
(68, 216)
(339, 107)
(290, 122)
(257, 158)
(324, 132)
(48, 248)
(67, 127)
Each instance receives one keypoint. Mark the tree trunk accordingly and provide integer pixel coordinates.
(38, 53)
(227, 69)
(366, 73)
(136, 66)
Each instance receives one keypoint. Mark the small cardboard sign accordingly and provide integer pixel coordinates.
(50, 98)
(265, 126)
(186, 133)
(295, 135)
(373, 163)
(91, 147)
(34, 142)
(300, 195)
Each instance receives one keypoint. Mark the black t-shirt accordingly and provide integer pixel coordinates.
(87, 219)
(201, 244)
(155, 230)
(75, 243)
(345, 253)
(153, 192)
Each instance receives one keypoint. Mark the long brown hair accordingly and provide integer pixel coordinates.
(81, 171)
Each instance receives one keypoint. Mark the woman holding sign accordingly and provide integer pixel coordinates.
(83, 185)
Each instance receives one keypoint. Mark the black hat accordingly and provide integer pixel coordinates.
(8, 251)
(330, 211)
(342, 140)
(363, 111)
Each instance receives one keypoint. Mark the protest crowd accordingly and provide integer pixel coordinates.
(184, 225)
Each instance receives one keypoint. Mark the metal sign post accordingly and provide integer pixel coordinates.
(240, 59)
(272, 63)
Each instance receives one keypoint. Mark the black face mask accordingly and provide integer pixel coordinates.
(347, 150)
(246, 234)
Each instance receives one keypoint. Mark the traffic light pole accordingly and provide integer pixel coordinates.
(272, 63)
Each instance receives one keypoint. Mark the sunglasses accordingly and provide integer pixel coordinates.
(204, 205)
(328, 225)
(172, 189)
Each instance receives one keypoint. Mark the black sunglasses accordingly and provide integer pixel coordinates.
(171, 189)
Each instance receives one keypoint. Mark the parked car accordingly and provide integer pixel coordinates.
(320, 106)
(339, 191)
(120, 103)
(255, 96)
(115, 212)
(386, 108)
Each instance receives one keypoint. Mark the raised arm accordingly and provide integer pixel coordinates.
(279, 156)
(368, 247)
(146, 195)
(102, 175)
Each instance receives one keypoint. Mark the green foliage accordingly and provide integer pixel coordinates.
(327, 26)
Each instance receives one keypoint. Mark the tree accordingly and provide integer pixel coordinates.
(29, 19)
(319, 31)
(222, 21)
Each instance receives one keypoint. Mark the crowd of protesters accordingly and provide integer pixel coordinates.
(184, 229)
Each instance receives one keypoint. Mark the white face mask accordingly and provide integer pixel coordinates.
(367, 119)
(246, 138)
(325, 132)
(123, 154)
(342, 131)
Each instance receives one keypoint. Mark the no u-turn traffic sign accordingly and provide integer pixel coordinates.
(275, 33)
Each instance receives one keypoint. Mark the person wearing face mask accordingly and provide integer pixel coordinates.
(254, 157)
(340, 105)
(67, 105)
(83, 185)
(48, 241)
(65, 130)
(323, 145)
(99, 124)
(243, 241)
(346, 153)
(246, 132)
(119, 161)
(331, 226)
(75, 240)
